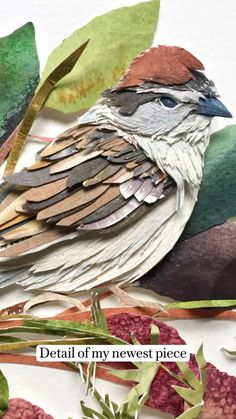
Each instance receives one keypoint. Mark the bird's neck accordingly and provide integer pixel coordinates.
(180, 153)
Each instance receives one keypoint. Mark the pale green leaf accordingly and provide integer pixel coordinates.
(190, 396)
(99, 317)
(155, 335)
(189, 376)
(192, 413)
(229, 352)
(202, 367)
(115, 39)
(201, 304)
(4, 394)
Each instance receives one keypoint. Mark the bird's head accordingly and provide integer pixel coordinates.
(164, 103)
(163, 87)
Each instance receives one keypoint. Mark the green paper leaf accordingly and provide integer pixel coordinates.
(129, 375)
(191, 413)
(19, 76)
(155, 335)
(189, 376)
(4, 394)
(64, 327)
(99, 318)
(195, 394)
(190, 396)
(115, 39)
(217, 197)
(229, 352)
(11, 339)
(201, 304)
(201, 362)
(143, 375)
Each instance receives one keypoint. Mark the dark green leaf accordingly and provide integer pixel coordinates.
(19, 76)
(217, 197)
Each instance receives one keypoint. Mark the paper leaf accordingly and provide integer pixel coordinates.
(201, 304)
(115, 39)
(190, 396)
(4, 394)
(191, 413)
(99, 318)
(201, 362)
(189, 376)
(217, 197)
(19, 66)
(62, 327)
(194, 394)
(229, 352)
(37, 102)
(155, 335)
(144, 376)
(186, 274)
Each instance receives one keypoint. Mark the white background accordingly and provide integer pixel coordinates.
(207, 29)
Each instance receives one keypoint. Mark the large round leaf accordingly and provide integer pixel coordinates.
(115, 39)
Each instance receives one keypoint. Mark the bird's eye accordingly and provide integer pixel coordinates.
(168, 102)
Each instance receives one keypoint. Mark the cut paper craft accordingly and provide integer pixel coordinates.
(219, 385)
(199, 268)
(173, 383)
(115, 39)
(19, 79)
(37, 103)
(217, 197)
(202, 265)
(125, 185)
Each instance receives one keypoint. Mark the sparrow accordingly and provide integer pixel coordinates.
(109, 198)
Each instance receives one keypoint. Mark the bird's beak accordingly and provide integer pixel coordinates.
(211, 106)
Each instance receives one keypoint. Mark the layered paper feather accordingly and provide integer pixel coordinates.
(97, 189)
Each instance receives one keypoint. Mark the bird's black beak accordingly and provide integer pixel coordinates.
(211, 106)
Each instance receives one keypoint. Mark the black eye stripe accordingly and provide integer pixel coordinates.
(168, 102)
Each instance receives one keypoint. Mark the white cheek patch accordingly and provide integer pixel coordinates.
(149, 119)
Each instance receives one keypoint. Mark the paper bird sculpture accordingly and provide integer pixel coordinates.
(109, 198)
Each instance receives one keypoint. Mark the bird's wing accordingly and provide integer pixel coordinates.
(90, 179)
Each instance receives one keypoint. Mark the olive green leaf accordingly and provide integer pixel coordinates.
(194, 394)
(217, 197)
(115, 39)
(4, 394)
(201, 304)
(143, 375)
(110, 410)
(192, 413)
(37, 103)
(99, 318)
(19, 76)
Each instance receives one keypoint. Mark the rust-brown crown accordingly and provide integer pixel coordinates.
(163, 64)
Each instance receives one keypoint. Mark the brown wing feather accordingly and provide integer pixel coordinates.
(89, 178)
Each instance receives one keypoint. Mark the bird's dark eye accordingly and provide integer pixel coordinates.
(168, 102)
